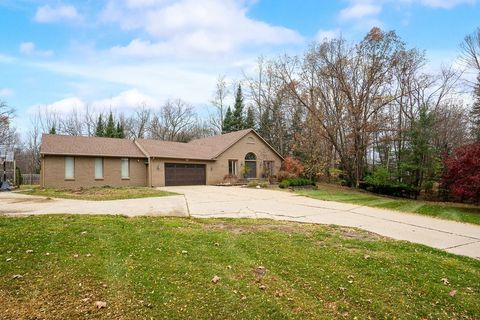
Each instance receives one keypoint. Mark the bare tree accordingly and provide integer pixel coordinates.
(470, 48)
(6, 130)
(220, 105)
(136, 125)
(173, 119)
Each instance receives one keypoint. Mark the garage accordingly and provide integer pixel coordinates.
(184, 174)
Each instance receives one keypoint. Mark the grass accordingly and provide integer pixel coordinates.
(95, 193)
(161, 268)
(443, 210)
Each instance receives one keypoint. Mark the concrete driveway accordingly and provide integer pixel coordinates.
(12, 203)
(235, 202)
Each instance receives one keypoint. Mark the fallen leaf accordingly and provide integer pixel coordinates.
(8, 259)
(445, 281)
(452, 293)
(215, 279)
(278, 293)
(17, 276)
(100, 304)
(260, 271)
(263, 287)
(243, 298)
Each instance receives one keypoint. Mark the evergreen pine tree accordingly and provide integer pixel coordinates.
(53, 130)
(420, 163)
(475, 113)
(110, 130)
(250, 119)
(238, 122)
(100, 130)
(119, 131)
(227, 121)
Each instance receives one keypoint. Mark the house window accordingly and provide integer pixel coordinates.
(125, 168)
(268, 166)
(98, 168)
(69, 168)
(232, 167)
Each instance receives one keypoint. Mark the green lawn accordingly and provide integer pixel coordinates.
(449, 211)
(95, 193)
(161, 268)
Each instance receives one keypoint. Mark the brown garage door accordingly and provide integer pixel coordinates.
(183, 174)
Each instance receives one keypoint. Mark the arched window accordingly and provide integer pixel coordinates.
(250, 156)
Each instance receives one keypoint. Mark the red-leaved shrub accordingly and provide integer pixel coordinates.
(462, 172)
(291, 168)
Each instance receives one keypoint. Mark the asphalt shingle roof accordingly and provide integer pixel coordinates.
(200, 149)
(89, 146)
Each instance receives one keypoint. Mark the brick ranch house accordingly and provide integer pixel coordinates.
(74, 161)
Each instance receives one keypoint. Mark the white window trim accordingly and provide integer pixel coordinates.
(95, 169)
(128, 168)
(235, 168)
(72, 177)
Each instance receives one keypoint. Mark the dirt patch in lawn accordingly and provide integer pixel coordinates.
(350, 233)
(74, 301)
(258, 227)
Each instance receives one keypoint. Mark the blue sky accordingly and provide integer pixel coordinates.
(117, 54)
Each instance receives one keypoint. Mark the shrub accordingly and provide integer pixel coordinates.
(284, 175)
(391, 189)
(296, 182)
(292, 167)
(379, 177)
(18, 176)
(462, 172)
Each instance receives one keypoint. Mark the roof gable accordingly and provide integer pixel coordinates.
(222, 143)
(176, 150)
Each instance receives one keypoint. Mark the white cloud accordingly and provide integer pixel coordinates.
(123, 102)
(359, 10)
(29, 48)
(443, 4)
(323, 35)
(160, 80)
(46, 14)
(191, 27)
(129, 99)
(6, 92)
(6, 59)
(365, 13)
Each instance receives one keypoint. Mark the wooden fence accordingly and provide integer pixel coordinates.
(31, 178)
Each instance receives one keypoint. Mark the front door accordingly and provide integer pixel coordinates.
(252, 169)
